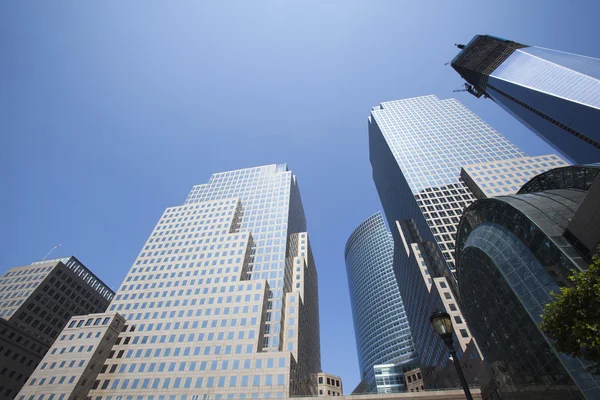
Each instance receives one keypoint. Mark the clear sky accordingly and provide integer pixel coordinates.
(111, 111)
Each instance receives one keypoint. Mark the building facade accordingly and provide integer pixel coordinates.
(414, 380)
(222, 301)
(36, 302)
(505, 177)
(329, 385)
(380, 323)
(512, 252)
(417, 148)
(74, 361)
(556, 94)
(396, 378)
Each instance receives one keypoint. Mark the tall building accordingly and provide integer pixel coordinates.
(512, 252)
(36, 302)
(380, 324)
(417, 148)
(222, 300)
(555, 94)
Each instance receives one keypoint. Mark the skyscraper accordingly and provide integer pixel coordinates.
(380, 324)
(222, 301)
(555, 94)
(36, 301)
(417, 148)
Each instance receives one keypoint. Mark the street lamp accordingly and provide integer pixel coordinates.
(442, 323)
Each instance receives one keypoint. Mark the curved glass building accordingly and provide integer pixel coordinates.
(511, 253)
(380, 324)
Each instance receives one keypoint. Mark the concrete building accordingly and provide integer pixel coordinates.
(414, 380)
(512, 252)
(417, 148)
(36, 302)
(555, 94)
(329, 385)
(71, 366)
(505, 177)
(380, 324)
(222, 301)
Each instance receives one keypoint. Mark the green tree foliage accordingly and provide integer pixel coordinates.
(573, 319)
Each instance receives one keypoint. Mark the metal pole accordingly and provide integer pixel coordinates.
(54, 248)
(459, 371)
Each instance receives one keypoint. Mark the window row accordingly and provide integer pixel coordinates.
(190, 382)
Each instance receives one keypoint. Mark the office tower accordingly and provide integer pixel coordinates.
(36, 301)
(555, 94)
(329, 385)
(512, 252)
(380, 326)
(222, 300)
(74, 360)
(417, 148)
(505, 177)
(428, 141)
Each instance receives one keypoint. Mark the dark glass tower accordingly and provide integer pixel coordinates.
(417, 148)
(555, 94)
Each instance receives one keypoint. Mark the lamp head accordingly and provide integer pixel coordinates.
(442, 324)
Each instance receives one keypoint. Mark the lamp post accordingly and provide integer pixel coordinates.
(442, 323)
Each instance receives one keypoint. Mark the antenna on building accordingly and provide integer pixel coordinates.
(54, 248)
(447, 63)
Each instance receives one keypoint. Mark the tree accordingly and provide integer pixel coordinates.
(573, 319)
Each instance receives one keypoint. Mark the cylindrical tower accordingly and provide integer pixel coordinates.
(380, 324)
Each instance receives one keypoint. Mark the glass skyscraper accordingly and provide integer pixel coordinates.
(380, 324)
(417, 148)
(222, 300)
(556, 94)
(430, 141)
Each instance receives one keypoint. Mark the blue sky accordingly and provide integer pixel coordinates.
(111, 111)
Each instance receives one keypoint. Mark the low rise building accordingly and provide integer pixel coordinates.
(414, 380)
(512, 252)
(329, 385)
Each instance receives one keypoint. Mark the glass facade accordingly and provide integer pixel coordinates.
(554, 93)
(380, 323)
(222, 301)
(417, 148)
(511, 255)
(430, 140)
